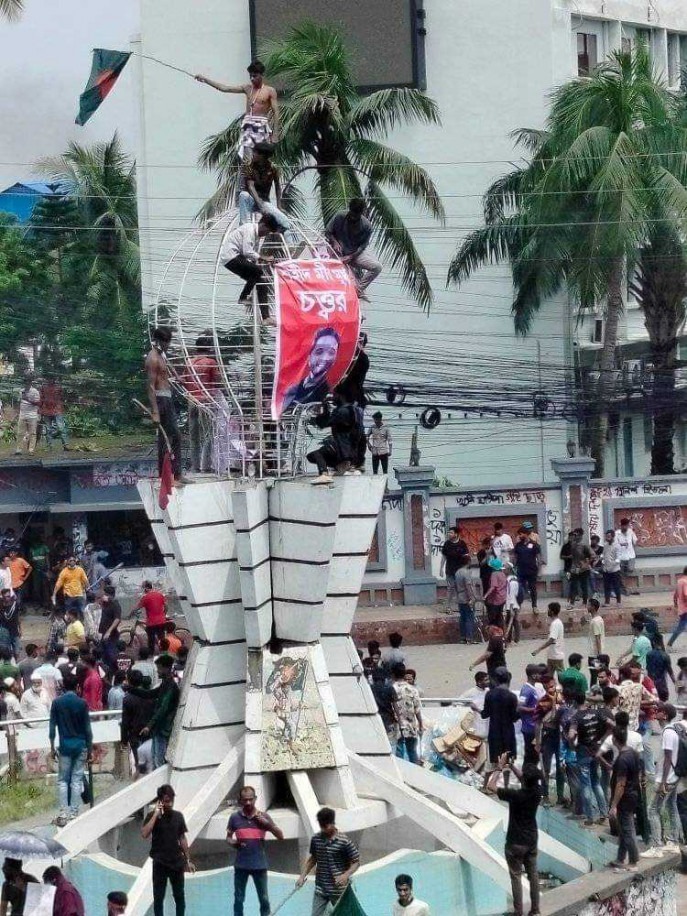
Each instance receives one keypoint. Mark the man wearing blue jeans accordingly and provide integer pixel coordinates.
(409, 711)
(70, 720)
(588, 728)
(246, 832)
(680, 604)
(667, 782)
(259, 176)
(166, 695)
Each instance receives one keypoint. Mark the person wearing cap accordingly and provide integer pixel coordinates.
(665, 832)
(8, 693)
(527, 556)
(35, 702)
(496, 594)
(261, 121)
(259, 176)
(379, 443)
(13, 894)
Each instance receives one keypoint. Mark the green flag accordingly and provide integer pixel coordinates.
(348, 904)
(107, 65)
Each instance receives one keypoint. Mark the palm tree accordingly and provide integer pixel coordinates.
(11, 9)
(98, 269)
(660, 287)
(578, 214)
(102, 181)
(329, 126)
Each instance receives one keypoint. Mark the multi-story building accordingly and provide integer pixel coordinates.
(490, 67)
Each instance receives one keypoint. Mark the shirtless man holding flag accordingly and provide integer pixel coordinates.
(261, 107)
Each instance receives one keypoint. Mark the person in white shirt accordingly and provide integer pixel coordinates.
(27, 421)
(6, 576)
(7, 693)
(597, 635)
(239, 254)
(51, 677)
(407, 904)
(474, 698)
(555, 644)
(626, 540)
(512, 608)
(665, 836)
(502, 544)
(35, 702)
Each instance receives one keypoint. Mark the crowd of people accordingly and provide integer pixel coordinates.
(584, 728)
(84, 668)
(508, 573)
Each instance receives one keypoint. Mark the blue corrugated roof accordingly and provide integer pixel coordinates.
(21, 198)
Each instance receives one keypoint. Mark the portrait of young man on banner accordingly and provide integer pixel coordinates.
(318, 321)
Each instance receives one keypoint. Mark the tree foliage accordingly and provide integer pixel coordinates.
(327, 125)
(609, 168)
(70, 281)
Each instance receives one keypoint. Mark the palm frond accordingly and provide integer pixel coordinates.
(493, 244)
(388, 167)
(396, 247)
(11, 9)
(377, 114)
(336, 186)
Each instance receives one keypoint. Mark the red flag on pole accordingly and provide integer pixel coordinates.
(166, 481)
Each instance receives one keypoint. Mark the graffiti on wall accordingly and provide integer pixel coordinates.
(501, 498)
(654, 896)
(554, 535)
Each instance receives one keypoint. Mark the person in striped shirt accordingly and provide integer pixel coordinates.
(246, 832)
(335, 859)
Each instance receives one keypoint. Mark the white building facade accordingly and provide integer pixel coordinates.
(490, 68)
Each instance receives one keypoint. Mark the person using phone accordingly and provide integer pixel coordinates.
(168, 850)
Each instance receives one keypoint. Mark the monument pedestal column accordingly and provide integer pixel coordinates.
(419, 585)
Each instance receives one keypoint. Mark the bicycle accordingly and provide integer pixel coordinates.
(135, 634)
(481, 623)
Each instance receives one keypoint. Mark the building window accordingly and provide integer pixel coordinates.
(587, 57)
(628, 452)
(625, 45)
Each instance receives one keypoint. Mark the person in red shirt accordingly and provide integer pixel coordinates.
(67, 900)
(92, 687)
(155, 606)
(202, 382)
(52, 413)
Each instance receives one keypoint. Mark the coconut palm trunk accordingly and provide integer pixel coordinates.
(606, 384)
(660, 287)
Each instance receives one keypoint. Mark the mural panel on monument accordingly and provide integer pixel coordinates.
(295, 734)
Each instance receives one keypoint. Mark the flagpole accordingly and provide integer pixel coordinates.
(163, 63)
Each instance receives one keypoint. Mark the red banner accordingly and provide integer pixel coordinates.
(318, 322)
